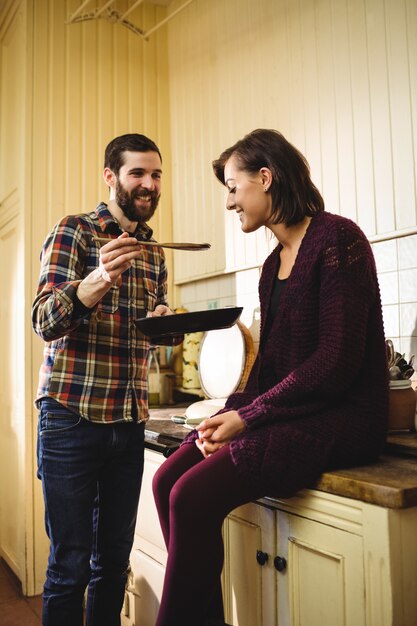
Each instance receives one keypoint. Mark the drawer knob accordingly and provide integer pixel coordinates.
(261, 557)
(280, 563)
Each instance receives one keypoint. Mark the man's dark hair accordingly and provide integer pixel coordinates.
(294, 195)
(114, 153)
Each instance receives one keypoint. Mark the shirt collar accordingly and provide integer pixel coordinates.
(109, 224)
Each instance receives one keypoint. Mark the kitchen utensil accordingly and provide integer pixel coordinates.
(391, 352)
(394, 372)
(178, 419)
(170, 325)
(174, 246)
(406, 373)
(398, 367)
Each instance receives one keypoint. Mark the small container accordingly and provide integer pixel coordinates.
(190, 354)
(402, 405)
(415, 422)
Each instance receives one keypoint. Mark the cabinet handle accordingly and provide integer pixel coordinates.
(261, 557)
(280, 563)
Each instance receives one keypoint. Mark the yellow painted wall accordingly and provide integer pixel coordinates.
(16, 451)
(66, 90)
(337, 77)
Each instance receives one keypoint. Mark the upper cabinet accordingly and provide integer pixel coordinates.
(339, 79)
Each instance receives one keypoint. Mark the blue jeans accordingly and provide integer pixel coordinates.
(91, 478)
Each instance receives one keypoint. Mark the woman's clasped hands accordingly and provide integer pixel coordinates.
(215, 432)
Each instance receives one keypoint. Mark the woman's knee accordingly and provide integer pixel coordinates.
(189, 501)
(161, 484)
(172, 470)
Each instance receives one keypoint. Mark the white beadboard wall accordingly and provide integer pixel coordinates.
(65, 91)
(93, 80)
(339, 79)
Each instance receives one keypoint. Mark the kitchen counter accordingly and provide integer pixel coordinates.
(391, 482)
(402, 443)
(161, 433)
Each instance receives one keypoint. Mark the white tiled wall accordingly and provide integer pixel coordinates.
(235, 289)
(396, 262)
(208, 293)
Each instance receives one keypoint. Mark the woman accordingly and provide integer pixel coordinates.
(317, 395)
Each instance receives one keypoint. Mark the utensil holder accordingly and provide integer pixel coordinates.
(402, 405)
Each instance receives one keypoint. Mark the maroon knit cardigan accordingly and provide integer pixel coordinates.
(323, 365)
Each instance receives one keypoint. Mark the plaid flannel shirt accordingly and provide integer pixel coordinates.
(95, 364)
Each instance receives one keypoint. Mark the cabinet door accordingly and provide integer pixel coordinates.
(148, 534)
(323, 583)
(144, 591)
(249, 575)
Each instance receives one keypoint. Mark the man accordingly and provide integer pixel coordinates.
(92, 392)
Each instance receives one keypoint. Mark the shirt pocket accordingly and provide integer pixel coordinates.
(150, 295)
(110, 302)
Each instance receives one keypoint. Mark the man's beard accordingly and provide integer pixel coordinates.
(126, 201)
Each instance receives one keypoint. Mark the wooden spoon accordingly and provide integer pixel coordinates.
(174, 246)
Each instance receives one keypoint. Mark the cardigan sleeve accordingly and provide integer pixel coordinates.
(348, 292)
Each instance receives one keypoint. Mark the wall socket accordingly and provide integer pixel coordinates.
(213, 304)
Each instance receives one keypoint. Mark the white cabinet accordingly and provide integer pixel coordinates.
(148, 534)
(342, 562)
(148, 557)
(144, 590)
(285, 569)
(323, 583)
(249, 576)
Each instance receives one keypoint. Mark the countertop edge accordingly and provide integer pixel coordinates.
(390, 482)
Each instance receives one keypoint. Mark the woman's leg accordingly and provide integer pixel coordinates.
(193, 496)
(165, 478)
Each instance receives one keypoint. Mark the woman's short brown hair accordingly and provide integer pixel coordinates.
(294, 195)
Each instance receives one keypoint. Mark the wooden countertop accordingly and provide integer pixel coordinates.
(391, 482)
(402, 443)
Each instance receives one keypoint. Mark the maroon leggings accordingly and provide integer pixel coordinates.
(193, 496)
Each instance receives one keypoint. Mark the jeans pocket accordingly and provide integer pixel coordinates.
(56, 419)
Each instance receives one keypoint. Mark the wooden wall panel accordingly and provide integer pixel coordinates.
(383, 181)
(93, 80)
(337, 77)
(411, 35)
(346, 190)
(11, 103)
(13, 425)
(362, 124)
(401, 114)
(15, 490)
(66, 90)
